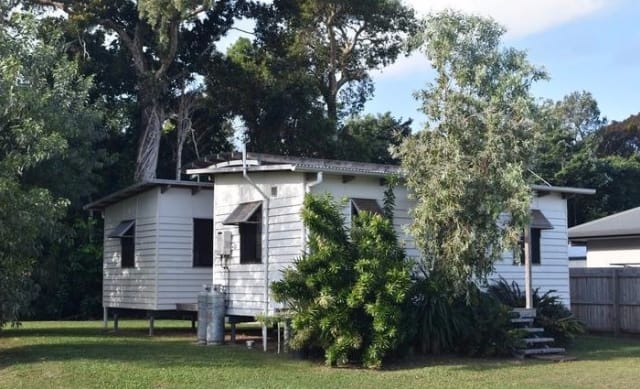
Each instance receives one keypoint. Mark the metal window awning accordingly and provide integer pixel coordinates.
(539, 221)
(242, 213)
(123, 229)
(368, 205)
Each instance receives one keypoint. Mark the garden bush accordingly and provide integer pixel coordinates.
(551, 314)
(347, 293)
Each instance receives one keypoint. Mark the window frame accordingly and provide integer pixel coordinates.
(200, 238)
(128, 247)
(250, 232)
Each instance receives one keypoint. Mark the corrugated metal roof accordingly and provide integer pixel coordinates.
(271, 162)
(135, 189)
(626, 223)
(266, 162)
(243, 213)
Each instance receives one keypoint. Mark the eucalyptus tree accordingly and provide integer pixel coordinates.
(340, 42)
(468, 167)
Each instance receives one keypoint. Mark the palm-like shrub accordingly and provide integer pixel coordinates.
(347, 293)
(551, 314)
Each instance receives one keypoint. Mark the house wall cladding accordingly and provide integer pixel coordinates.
(135, 287)
(179, 282)
(553, 271)
(163, 275)
(605, 252)
(245, 282)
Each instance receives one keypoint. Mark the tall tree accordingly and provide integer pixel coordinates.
(468, 168)
(370, 138)
(45, 112)
(341, 41)
(150, 35)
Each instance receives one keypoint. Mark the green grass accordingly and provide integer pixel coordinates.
(80, 355)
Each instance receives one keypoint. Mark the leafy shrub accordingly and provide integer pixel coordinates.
(551, 314)
(475, 324)
(346, 294)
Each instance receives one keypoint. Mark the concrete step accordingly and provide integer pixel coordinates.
(533, 329)
(538, 340)
(524, 312)
(542, 350)
(528, 320)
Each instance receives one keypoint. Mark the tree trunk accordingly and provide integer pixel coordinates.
(153, 116)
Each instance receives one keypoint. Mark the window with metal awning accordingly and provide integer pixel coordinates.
(242, 213)
(539, 222)
(368, 205)
(126, 231)
(248, 218)
(123, 230)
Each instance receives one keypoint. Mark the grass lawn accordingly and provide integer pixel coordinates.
(80, 355)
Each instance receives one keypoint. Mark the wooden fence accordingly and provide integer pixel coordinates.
(606, 299)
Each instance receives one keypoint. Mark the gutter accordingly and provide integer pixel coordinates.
(265, 246)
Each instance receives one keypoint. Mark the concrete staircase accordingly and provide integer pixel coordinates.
(535, 343)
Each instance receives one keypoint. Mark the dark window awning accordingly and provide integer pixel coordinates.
(123, 230)
(242, 213)
(539, 221)
(368, 205)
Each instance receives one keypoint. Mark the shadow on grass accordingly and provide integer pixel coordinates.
(140, 352)
(132, 346)
(84, 332)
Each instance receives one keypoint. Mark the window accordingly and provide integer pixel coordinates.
(369, 205)
(248, 218)
(538, 223)
(534, 237)
(125, 231)
(251, 238)
(202, 242)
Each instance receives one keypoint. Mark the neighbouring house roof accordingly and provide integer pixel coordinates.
(135, 189)
(225, 163)
(623, 224)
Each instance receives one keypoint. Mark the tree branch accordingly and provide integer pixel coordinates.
(168, 58)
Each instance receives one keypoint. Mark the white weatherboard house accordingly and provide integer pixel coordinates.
(158, 250)
(613, 240)
(259, 231)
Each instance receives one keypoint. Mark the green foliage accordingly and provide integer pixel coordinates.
(44, 110)
(551, 314)
(346, 293)
(370, 138)
(468, 168)
(474, 325)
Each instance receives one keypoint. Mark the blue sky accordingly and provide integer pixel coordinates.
(591, 45)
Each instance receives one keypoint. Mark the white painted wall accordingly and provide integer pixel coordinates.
(163, 274)
(178, 281)
(605, 252)
(133, 288)
(245, 282)
(553, 271)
